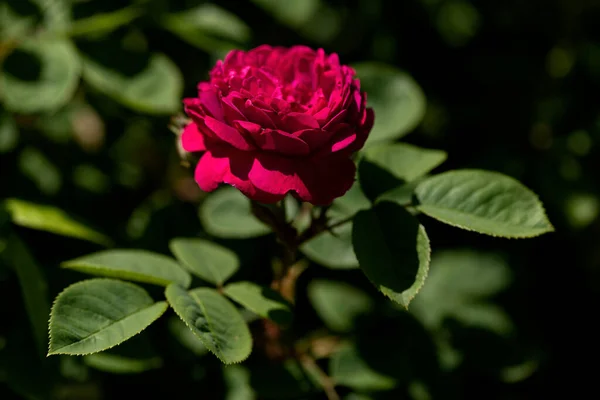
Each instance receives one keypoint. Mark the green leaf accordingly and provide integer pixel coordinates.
(260, 300)
(27, 90)
(117, 364)
(347, 368)
(40, 170)
(208, 27)
(227, 213)
(338, 304)
(157, 89)
(33, 287)
(483, 201)
(392, 249)
(97, 314)
(214, 320)
(186, 337)
(237, 380)
(404, 161)
(293, 13)
(207, 260)
(50, 219)
(334, 250)
(102, 23)
(136, 265)
(458, 286)
(398, 101)
(9, 133)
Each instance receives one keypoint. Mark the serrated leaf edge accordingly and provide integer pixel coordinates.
(50, 321)
(198, 336)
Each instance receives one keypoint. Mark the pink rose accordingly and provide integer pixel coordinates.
(274, 120)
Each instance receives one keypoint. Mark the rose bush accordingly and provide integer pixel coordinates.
(274, 120)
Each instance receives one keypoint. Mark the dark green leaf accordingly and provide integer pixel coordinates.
(226, 213)
(136, 265)
(207, 260)
(392, 249)
(261, 300)
(9, 133)
(404, 161)
(97, 314)
(214, 320)
(33, 287)
(483, 201)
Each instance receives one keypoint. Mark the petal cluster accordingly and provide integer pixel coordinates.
(274, 120)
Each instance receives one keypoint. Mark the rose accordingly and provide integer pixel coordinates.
(275, 120)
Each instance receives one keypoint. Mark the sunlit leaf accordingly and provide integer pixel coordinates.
(261, 300)
(51, 219)
(102, 23)
(483, 201)
(226, 213)
(9, 133)
(132, 264)
(117, 364)
(392, 249)
(205, 259)
(237, 380)
(97, 314)
(398, 101)
(214, 320)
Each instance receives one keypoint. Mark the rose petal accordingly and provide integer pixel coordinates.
(294, 121)
(250, 127)
(275, 174)
(228, 134)
(192, 139)
(230, 111)
(211, 171)
(315, 138)
(325, 180)
(211, 104)
(281, 142)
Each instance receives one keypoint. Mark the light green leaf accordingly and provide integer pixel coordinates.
(102, 23)
(60, 70)
(9, 133)
(398, 101)
(393, 250)
(227, 213)
(136, 265)
(333, 250)
(404, 161)
(97, 314)
(208, 27)
(483, 201)
(207, 260)
(155, 90)
(214, 320)
(34, 288)
(118, 364)
(50, 219)
(261, 300)
(237, 380)
(347, 368)
(458, 286)
(338, 304)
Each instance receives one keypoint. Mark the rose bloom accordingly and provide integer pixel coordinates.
(274, 120)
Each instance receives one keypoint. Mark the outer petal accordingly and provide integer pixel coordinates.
(228, 134)
(315, 181)
(212, 170)
(281, 142)
(192, 139)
